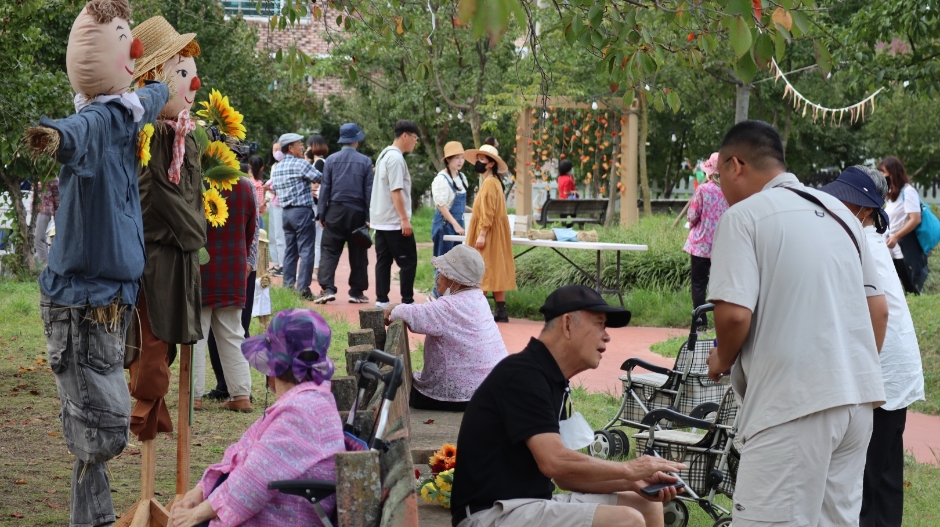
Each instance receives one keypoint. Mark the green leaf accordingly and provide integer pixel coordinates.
(763, 51)
(647, 64)
(823, 58)
(628, 97)
(598, 39)
(570, 35)
(596, 15)
(466, 10)
(739, 7)
(672, 99)
(279, 56)
(222, 172)
(740, 35)
(629, 19)
(353, 74)
(786, 4)
(745, 69)
(577, 25)
(201, 138)
(780, 45)
(800, 21)
(658, 102)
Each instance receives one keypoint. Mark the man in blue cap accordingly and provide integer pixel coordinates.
(291, 179)
(344, 207)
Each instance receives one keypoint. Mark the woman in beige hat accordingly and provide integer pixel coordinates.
(462, 343)
(449, 191)
(489, 228)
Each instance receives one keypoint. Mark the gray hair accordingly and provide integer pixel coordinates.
(881, 184)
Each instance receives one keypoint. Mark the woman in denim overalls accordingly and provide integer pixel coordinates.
(449, 191)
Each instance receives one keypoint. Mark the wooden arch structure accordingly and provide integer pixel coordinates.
(628, 157)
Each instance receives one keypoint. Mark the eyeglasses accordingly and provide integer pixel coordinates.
(716, 177)
(416, 137)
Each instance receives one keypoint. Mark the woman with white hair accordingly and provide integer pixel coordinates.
(863, 191)
(462, 342)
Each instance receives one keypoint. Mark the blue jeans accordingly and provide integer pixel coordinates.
(300, 236)
(87, 359)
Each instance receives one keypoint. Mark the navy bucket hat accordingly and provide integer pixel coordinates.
(855, 187)
(350, 133)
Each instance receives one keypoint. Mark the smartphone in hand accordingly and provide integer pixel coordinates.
(653, 490)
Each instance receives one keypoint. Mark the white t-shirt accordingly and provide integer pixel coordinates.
(391, 173)
(811, 345)
(901, 367)
(908, 201)
(441, 190)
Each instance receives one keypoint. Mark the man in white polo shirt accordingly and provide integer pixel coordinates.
(800, 313)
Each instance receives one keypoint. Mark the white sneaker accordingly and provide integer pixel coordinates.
(382, 304)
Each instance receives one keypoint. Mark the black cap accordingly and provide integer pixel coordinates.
(578, 297)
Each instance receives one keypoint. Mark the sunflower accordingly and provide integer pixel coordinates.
(218, 111)
(426, 492)
(220, 167)
(216, 207)
(143, 144)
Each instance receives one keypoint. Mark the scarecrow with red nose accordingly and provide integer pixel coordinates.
(170, 182)
(91, 283)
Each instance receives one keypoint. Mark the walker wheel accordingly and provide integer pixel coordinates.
(675, 514)
(723, 522)
(621, 442)
(603, 446)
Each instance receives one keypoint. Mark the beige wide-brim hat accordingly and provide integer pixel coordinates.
(462, 264)
(489, 151)
(161, 41)
(263, 235)
(451, 149)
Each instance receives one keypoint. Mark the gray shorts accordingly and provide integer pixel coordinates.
(563, 510)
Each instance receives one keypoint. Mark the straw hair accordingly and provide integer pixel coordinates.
(104, 11)
(161, 42)
(41, 140)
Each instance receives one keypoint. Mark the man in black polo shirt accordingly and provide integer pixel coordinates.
(510, 441)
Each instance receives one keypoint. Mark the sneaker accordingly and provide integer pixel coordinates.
(306, 295)
(382, 304)
(324, 297)
(361, 299)
(216, 395)
(277, 271)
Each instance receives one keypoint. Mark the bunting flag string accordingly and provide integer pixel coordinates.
(857, 111)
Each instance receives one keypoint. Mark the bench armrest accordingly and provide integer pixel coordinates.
(311, 489)
(629, 364)
(671, 415)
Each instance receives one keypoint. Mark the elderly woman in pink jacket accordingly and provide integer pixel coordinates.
(294, 439)
(705, 209)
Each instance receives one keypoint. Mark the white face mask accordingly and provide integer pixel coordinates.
(575, 431)
(278, 156)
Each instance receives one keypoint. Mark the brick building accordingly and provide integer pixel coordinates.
(309, 35)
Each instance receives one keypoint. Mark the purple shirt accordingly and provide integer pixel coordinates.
(707, 205)
(296, 439)
(461, 347)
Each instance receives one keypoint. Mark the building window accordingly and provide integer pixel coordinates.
(249, 8)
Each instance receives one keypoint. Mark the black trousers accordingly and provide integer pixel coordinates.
(701, 269)
(389, 246)
(422, 402)
(246, 321)
(883, 481)
(338, 224)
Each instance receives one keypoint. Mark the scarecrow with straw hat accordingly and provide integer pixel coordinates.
(170, 180)
(96, 263)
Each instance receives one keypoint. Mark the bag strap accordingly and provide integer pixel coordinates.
(811, 198)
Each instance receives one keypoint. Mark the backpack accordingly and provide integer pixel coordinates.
(928, 232)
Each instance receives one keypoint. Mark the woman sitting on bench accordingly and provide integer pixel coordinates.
(463, 343)
(294, 439)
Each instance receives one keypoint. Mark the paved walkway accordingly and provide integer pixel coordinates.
(921, 436)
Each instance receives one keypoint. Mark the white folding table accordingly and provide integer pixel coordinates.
(554, 245)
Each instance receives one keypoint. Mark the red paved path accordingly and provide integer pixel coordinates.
(921, 436)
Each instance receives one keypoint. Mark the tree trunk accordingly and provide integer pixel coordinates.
(432, 147)
(644, 176)
(741, 102)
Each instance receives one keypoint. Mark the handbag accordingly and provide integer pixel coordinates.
(928, 232)
(362, 237)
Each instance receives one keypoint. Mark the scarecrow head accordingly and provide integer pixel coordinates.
(101, 49)
(172, 55)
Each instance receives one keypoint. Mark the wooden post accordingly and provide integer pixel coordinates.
(629, 156)
(523, 171)
(184, 421)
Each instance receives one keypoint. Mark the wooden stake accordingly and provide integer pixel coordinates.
(148, 468)
(184, 424)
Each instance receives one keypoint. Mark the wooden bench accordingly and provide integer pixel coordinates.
(573, 211)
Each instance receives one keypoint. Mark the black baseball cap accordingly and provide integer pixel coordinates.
(571, 298)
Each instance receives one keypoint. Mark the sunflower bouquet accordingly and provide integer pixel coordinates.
(220, 167)
(437, 487)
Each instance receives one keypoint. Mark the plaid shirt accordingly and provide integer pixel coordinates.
(224, 277)
(50, 197)
(292, 178)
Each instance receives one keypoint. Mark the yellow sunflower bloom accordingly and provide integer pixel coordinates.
(219, 112)
(216, 207)
(143, 144)
(221, 154)
(426, 491)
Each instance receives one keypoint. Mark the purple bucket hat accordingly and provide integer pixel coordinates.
(297, 339)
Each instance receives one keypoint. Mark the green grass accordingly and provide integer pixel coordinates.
(925, 310)
(421, 224)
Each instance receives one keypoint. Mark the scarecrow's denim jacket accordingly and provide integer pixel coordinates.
(98, 252)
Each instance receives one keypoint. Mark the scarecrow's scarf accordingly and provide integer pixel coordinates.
(182, 126)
